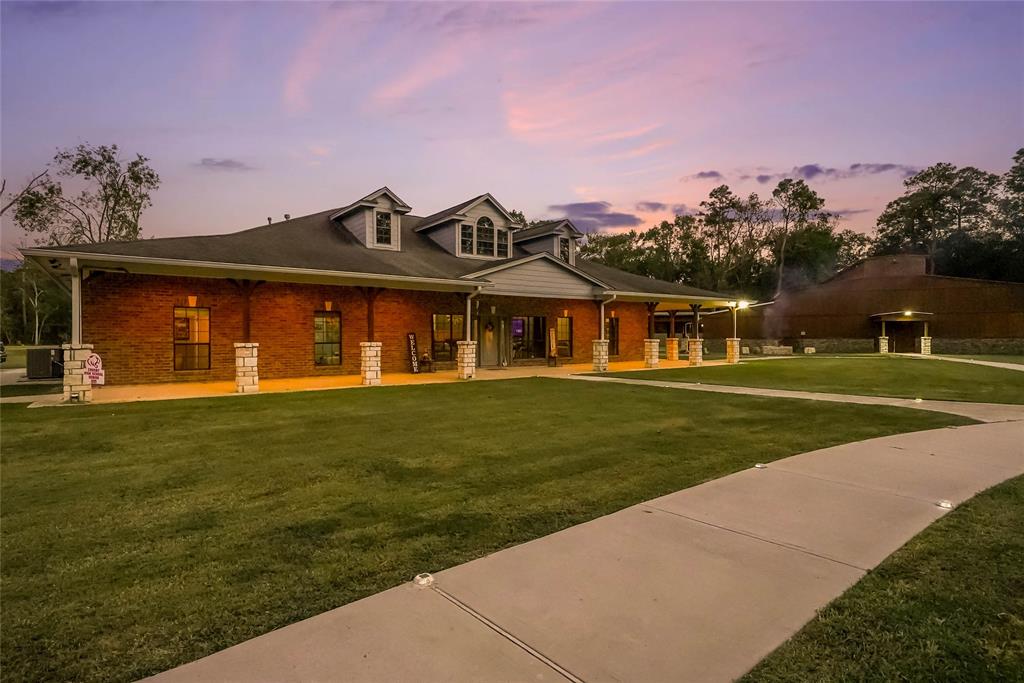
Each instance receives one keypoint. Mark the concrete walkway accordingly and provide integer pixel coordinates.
(698, 585)
(983, 412)
(1019, 367)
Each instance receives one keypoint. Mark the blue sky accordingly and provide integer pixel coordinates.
(613, 113)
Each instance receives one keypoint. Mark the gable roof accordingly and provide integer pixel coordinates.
(318, 246)
(369, 201)
(458, 212)
(543, 229)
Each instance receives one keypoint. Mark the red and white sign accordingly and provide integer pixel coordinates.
(94, 369)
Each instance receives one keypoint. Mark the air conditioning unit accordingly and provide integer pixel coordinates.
(44, 363)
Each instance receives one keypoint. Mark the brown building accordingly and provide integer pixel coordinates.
(847, 312)
(352, 290)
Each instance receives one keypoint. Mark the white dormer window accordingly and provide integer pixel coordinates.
(485, 237)
(383, 235)
(502, 243)
(565, 249)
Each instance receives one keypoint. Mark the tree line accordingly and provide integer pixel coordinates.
(969, 222)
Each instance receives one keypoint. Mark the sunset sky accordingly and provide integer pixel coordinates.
(613, 114)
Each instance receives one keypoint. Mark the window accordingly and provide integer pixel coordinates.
(563, 248)
(466, 238)
(503, 243)
(383, 227)
(485, 237)
(611, 333)
(447, 330)
(528, 337)
(563, 335)
(191, 338)
(327, 338)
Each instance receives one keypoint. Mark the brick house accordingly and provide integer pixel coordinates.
(319, 292)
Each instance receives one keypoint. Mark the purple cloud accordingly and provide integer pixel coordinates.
(651, 206)
(595, 216)
(212, 164)
(708, 175)
(813, 171)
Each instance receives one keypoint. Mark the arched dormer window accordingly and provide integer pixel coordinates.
(485, 237)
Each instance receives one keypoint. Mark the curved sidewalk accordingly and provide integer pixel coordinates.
(983, 412)
(698, 585)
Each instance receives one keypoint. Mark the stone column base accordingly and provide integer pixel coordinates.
(672, 348)
(466, 359)
(75, 381)
(695, 352)
(247, 374)
(652, 353)
(369, 363)
(732, 350)
(600, 355)
(883, 345)
(926, 346)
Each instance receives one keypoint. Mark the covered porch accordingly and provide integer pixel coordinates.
(126, 393)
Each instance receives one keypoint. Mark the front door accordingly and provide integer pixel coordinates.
(490, 336)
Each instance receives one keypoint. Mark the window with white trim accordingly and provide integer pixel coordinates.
(564, 248)
(382, 234)
(485, 237)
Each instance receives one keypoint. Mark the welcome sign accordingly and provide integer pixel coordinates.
(414, 358)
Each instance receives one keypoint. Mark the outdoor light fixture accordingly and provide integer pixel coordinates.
(744, 304)
(908, 313)
(565, 312)
(328, 305)
(192, 299)
(423, 580)
(74, 397)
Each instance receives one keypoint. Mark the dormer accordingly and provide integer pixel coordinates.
(375, 220)
(558, 238)
(479, 228)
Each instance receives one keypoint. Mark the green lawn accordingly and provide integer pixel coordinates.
(140, 536)
(871, 376)
(29, 389)
(948, 606)
(15, 357)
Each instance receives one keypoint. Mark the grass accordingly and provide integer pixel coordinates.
(28, 389)
(15, 357)
(173, 529)
(948, 606)
(871, 376)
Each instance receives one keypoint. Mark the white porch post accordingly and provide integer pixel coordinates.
(76, 303)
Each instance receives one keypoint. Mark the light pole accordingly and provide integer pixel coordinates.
(735, 306)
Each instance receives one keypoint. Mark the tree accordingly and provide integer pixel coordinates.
(1011, 200)
(108, 208)
(940, 201)
(7, 201)
(797, 206)
(33, 309)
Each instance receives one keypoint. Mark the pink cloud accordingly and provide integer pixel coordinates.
(425, 70)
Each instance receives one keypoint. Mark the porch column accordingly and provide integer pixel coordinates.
(466, 359)
(883, 341)
(247, 374)
(600, 355)
(76, 384)
(369, 362)
(651, 305)
(694, 352)
(370, 294)
(696, 320)
(76, 303)
(732, 350)
(672, 343)
(652, 352)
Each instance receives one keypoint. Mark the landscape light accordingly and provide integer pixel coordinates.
(945, 504)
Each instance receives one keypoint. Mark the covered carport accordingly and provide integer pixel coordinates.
(904, 331)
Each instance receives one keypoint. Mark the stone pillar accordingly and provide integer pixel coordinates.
(672, 348)
(247, 373)
(600, 355)
(732, 350)
(883, 345)
(926, 346)
(652, 351)
(369, 363)
(75, 381)
(466, 359)
(695, 351)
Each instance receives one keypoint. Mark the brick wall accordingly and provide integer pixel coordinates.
(129, 320)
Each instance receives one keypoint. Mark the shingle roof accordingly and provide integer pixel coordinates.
(316, 242)
(450, 211)
(542, 228)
